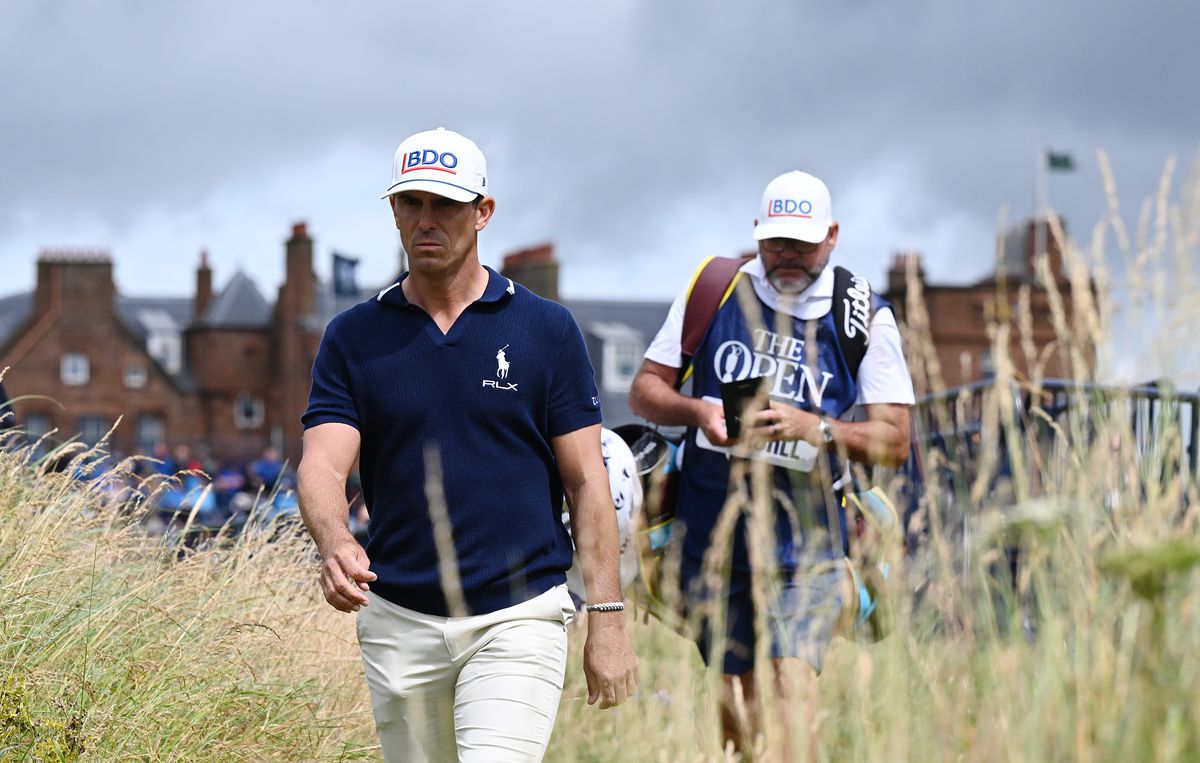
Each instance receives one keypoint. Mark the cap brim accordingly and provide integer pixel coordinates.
(440, 187)
(801, 230)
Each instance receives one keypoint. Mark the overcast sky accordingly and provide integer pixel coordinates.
(637, 137)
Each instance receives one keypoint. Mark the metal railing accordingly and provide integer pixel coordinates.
(1071, 412)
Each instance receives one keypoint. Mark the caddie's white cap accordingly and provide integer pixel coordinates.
(439, 161)
(795, 205)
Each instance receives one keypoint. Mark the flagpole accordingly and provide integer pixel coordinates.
(1041, 192)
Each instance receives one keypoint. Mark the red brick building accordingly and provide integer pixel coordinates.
(224, 372)
(958, 316)
(228, 372)
(76, 349)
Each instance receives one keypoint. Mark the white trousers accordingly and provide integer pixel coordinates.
(471, 689)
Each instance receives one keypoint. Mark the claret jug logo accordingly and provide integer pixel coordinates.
(502, 366)
(781, 358)
(790, 208)
(428, 159)
(776, 355)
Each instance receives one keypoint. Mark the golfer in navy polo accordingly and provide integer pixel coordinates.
(471, 407)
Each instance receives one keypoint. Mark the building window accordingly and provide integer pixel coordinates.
(619, 351)
(622, 357)
(163, 340)
(135, 376)
(92, 428)
(987, 366)
(37, 424)
(167, 350)
(151, 429)
(247, 412)
(74, 369)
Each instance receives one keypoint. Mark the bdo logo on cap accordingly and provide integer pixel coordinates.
(790, 208)
(428, 159)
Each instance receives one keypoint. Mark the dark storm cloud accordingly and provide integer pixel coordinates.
(637, 136)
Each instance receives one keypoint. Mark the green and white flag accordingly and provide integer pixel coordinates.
(1060, 160)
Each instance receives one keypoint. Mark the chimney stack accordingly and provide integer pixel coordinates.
(300, 281)
(204, 291)
(897, 277)
(534, 268)
(1040, 227)
(81, 278)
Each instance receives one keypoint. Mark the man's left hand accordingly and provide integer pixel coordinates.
(783, 422)
(609, 662)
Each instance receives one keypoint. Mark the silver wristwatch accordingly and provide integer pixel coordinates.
(825, 431)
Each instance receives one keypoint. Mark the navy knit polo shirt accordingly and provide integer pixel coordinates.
(511, 374)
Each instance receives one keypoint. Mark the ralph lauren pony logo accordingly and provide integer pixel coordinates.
(502, 363)
(502, 366)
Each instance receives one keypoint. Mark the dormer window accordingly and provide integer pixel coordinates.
(621, 354)
(621, 358)
(164, 340)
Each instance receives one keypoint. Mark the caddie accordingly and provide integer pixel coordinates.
(781, 302)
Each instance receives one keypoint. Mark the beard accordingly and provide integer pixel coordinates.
(791, 284)
(798, 278)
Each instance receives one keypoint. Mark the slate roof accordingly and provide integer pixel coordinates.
(133, 311)
(14, 310)
(239, 305)
(642, 316)
(607, 320)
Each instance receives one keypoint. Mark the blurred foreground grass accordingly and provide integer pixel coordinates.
(114, 646)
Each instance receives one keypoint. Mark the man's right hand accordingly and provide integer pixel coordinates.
(710, 419)
(345, 574)
(653, 396)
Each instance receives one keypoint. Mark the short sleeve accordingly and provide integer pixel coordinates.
(667, 347)
(883, 376)
(574, 402)
(330, 399)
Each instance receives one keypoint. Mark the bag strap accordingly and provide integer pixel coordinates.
(853, 308)
(711, 286)
(852, 312)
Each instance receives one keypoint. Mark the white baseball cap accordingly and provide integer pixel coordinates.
(795, 205)
(439, 161)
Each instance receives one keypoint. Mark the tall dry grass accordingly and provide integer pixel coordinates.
(115, 645)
